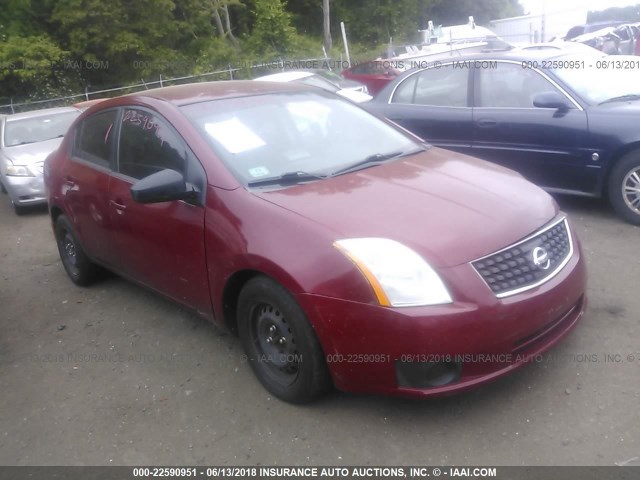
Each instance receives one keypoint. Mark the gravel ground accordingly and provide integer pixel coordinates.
(115, 375)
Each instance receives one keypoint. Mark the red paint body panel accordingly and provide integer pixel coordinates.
(449, 208)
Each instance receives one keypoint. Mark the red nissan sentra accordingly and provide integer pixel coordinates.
(342, 249)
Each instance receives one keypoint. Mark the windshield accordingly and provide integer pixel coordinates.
(37, 129)
(601, 78)
(272, 135)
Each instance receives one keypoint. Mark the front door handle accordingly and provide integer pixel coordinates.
(487, 123)
(70, 181)
(120, 207)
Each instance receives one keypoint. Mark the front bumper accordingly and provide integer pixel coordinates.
(25, 190)
(368, 347)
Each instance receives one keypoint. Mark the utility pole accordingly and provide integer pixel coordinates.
(326, 24)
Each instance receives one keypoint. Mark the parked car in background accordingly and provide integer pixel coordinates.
(25, 141)
(341, 248)
(375, 74)
(566, 122)
(618, 40)
(338, 80)
(318, 81)
(590, 28)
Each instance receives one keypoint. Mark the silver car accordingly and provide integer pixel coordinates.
(26, 139)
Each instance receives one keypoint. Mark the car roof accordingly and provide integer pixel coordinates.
(285, 76)
(40, 113)
(514, 54)
(206, 91)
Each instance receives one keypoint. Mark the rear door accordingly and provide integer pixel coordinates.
(434, 104)
(545, 145)
(86, 183)
(162, 244)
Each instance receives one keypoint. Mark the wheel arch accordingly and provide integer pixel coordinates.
(613, 161)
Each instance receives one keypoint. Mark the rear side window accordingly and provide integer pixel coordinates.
(436, 87)
(148, 145)
(94, 138)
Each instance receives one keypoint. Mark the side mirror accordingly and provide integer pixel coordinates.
(163, 186)
(551, 100)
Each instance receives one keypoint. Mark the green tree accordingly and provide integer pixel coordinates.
(36, 65)
(272, 33)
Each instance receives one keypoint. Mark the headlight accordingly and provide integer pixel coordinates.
(19, 171)
(398, 275)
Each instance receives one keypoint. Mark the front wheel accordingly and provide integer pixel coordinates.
(280, 343)
(79, 267)
(624, 187)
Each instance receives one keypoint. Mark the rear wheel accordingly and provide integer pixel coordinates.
(78, 266)
(280, 343)
(624, 187)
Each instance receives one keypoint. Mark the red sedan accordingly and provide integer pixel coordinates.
(359, 258)
(375, 74)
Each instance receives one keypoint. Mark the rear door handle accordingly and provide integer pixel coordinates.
(487, 123)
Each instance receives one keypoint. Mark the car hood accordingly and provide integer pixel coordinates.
(449, 207)
(32, 153)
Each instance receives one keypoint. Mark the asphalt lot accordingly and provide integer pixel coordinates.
(165, 387)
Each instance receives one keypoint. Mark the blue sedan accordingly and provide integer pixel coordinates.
(568, 122)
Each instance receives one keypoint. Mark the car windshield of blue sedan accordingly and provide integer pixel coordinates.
(37, 129)
(603, 80)
(307, 133)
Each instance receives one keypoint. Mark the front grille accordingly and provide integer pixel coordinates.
(528, 263)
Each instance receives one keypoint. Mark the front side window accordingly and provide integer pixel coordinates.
(509, 86)
(438, 87)
(148, 145)
(266, 136)
(94, 138)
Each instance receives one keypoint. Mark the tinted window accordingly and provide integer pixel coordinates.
(94, 140)
(510, 86)
(148, 145)
(439, 87)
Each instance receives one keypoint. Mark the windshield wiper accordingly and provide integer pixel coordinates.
(376, 159)
(622, 98)
(288, 178)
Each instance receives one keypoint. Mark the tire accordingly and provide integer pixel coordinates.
(280, 343)
(624, 187)
(19, 209)
(80, 269)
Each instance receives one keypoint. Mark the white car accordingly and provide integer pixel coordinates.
(310, 78)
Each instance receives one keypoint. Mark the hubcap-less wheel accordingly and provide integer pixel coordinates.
(275, 343)
(631, 190)
(69, 249)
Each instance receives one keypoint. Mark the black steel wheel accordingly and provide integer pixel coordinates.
(76, 263)
(280, 343)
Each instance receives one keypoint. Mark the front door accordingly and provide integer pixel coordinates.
(162, 244)
(546, 145)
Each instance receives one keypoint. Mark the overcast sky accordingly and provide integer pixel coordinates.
(536, 6)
